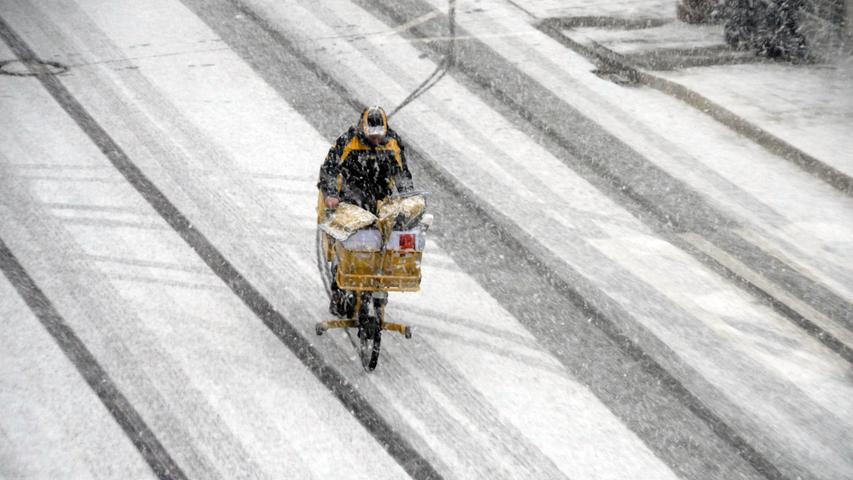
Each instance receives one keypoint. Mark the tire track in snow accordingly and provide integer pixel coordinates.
(127, 346)
(87, 365)
(483, 424)
(361, 409)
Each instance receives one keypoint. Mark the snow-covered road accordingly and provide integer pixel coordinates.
(602, 298)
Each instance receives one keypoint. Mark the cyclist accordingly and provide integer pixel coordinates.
(365, 165)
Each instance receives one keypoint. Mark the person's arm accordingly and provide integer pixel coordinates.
(402, 176)
(329, 171)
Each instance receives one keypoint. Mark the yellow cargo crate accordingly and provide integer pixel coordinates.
(390, 271)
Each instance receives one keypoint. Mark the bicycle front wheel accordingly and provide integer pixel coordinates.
(370, 337)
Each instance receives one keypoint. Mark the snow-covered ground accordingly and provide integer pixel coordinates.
(231, 127)
(610, 8)
(809, 106)
(671, 35)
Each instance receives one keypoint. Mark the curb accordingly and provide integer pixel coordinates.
(613, 61)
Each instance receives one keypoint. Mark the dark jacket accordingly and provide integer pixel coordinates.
(356, 172)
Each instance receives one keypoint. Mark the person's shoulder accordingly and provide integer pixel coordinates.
(393, 135)
(349, 133)
(346, 137)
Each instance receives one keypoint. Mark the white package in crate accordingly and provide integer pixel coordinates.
(408, 240)
(366, 240)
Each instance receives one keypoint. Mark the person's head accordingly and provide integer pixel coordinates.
(374, 124)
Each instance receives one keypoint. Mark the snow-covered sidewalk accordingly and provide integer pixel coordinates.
(807, 107)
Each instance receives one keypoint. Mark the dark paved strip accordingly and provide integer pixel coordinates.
(100, 382)
(601, 55)
(398, 447)
(673, 422)
(663, 202)
(786, 277)
(827, 339)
